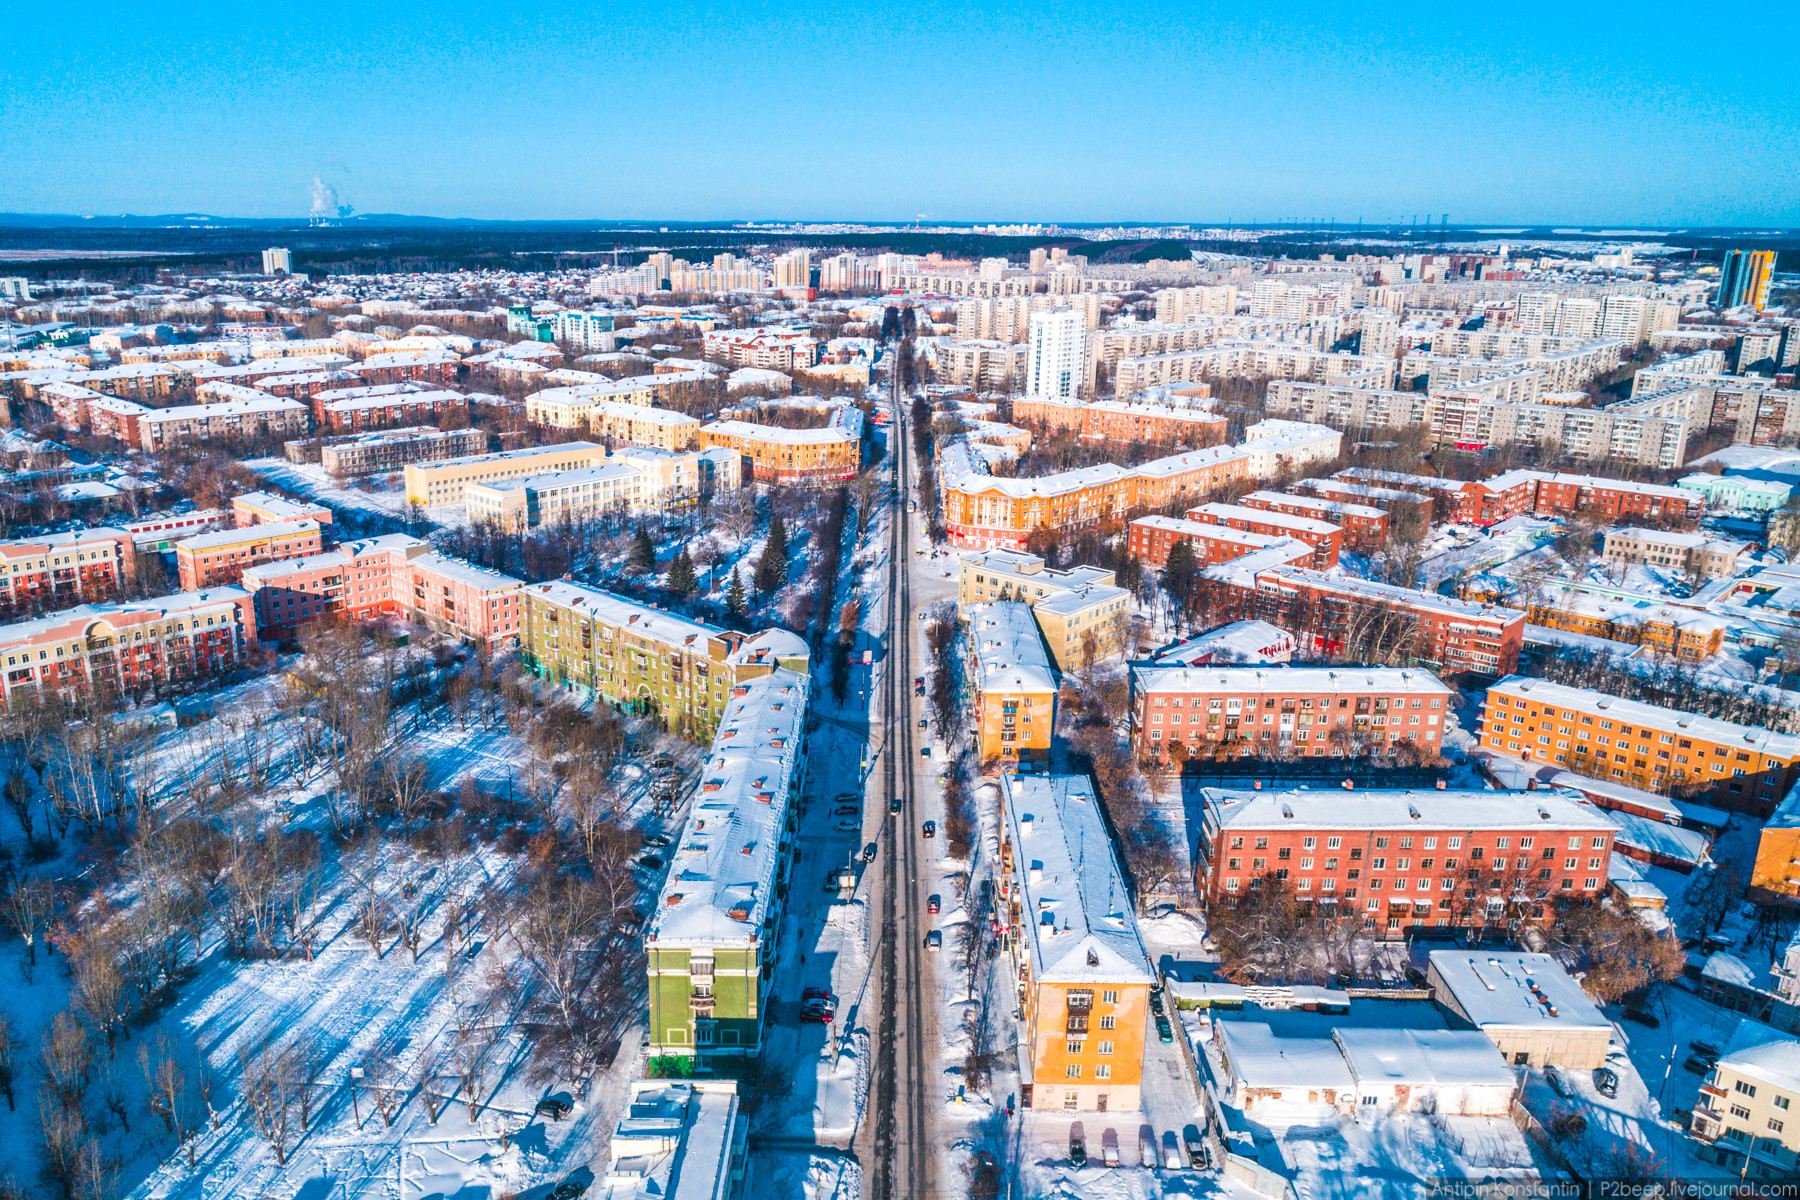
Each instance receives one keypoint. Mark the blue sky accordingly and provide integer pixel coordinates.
(1041, 111)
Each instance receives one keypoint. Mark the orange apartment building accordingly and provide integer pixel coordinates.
(1288, 711)
(1326, 539)
(1736, 767)
(795, 457)
(1083, 975)
(1400, 859)
(986, 512)
(1015, 687)
(1123, 421)
(1776, 871)
(267, 508)
(61, 570)
(218, 558)
(1365, 526)
(1684, 633)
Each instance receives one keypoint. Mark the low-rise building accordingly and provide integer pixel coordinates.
(1326, 539)
(1739, 767)
(380, 411)
(229, 421)
(131, 648)
(390, 575)
(773, 347)
(1527, 1005)
(1747, 1103)
(1282, 711)
(1692, 553)
(1365, 526)
(712, 939)
(216, 558)
(1735, 493)
(685, 1138)
(387, 450)
(638, 480)
(1367, 1071)
(1684, 633)
(1398, 859)
(268, 508)
(1084, 978)
(1236, 643)
(435, 484)
(1015, 687)
(795, 457)
(1122, 421)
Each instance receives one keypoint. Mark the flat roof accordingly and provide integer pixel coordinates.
(1449, 810)
(1275, 678)
(1637, 712)
(1493, 988)
(1009, 652)
(1763, 1053)
(249, 533)
(1080, 920)
(660, 625)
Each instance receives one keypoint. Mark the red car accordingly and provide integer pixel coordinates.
(819, 1010)
(931, 904)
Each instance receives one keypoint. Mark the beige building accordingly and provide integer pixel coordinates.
(568, 407)
(1529, 1007)
(440, 483)
(1067, 605)
(1746, 1118)
(637, 480)
(1696, 553)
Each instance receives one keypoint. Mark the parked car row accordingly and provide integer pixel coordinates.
(1171, 1153)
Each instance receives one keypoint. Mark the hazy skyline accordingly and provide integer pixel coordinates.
(1019, 112)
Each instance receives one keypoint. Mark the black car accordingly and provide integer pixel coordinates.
(554, 1107)
(1077, 1150)
(869, 852)
(1606, 1082)
(569, 1188)
(1156, 1001)
(1643, 1017)
(894, 805)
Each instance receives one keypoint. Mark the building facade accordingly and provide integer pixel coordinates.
(219, 558)
(1014, 685)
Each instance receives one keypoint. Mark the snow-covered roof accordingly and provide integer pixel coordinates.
(1454, 810)
(1779, 745)
(270, 532)
(1079, 917)
(1242, 641)
(1607, 793)
(654, 624)
(1659, 838)
(1423, 1057)
(1494, 988)
(723, 867)
(1763, 1053)
(1284, 679)
(675, 1142)
(1239, 512)
(1009, 653)
(1259, 1059)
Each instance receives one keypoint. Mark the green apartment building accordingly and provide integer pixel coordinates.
(645, 660)
(710, 943)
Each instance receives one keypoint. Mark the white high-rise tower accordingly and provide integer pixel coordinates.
(1057, 353)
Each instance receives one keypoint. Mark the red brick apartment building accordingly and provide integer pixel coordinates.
(130, 648)
(1123, 421)
(1401, 859)
(1401, 506)
(1537, 493)
(1269, 712)
(1453, 635)
(1326, 539)
(216, 558)
(1149, 540)
(357, 413)
(1365, 526)
(61, 570)
(401, 368)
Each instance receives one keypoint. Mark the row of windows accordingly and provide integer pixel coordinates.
(1333, 842)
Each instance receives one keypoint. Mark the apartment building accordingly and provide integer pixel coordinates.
(435, 484)
(1014, 685)
(1056, 357)
(1396, 860)
(61, 570)
(775, 348)
(411, 366)
(1776, 871)
(1683, 633)
(1084, 978)
(641, 479)
(1735, 493)
(1326, 612)
(1067, 605)
(1738, 767)
(711, 941)
(375, 412)
(795, 457)
(982, 364)
(1123, 422)
(232, 420)
(1326, 539)
(1693, 553)
(983, 511)
(267, 508)
(134, 381)
(679, 1138)
(1747, 1103)
(1365, 527)
(159, 533)
(567, 407)
(1150, 540)
(391, 575)
(642, 659)
(1177, 306)
(1251, 360)
(209, 559)
(348, 455)
(1265, 712)
(129, 648)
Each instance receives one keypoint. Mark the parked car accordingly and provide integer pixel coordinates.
(922, 722)
(894, 805)
(1171, 1151)
(934, 940)
(651, 862)
(554, 1107)
(924, 751)
(1606, 1082)
(816, 993)
(657, 840)
(1643, 1017)
(570, 1188)
(931, 829)
(1415, 977)
(819, 1010)
(1554, 1078)
(1705, 1049)
(846, 810)
(848, 827)
(932, 905)
(1109, 1147)
(1696, 1064)
(869, 852)
(1164, 1031)
(1146, 1146)
(1156, 1001)
(847, 798)
(1077, 1148)
(1196, 1145)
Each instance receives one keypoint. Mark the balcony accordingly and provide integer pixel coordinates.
(701, 1002)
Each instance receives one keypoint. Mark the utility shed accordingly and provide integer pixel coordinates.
(1525, 1003)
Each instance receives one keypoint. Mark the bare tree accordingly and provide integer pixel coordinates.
(387, 1087)
(427, 1072)
(9, 1060)
(67, 1060)
(28, 907)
